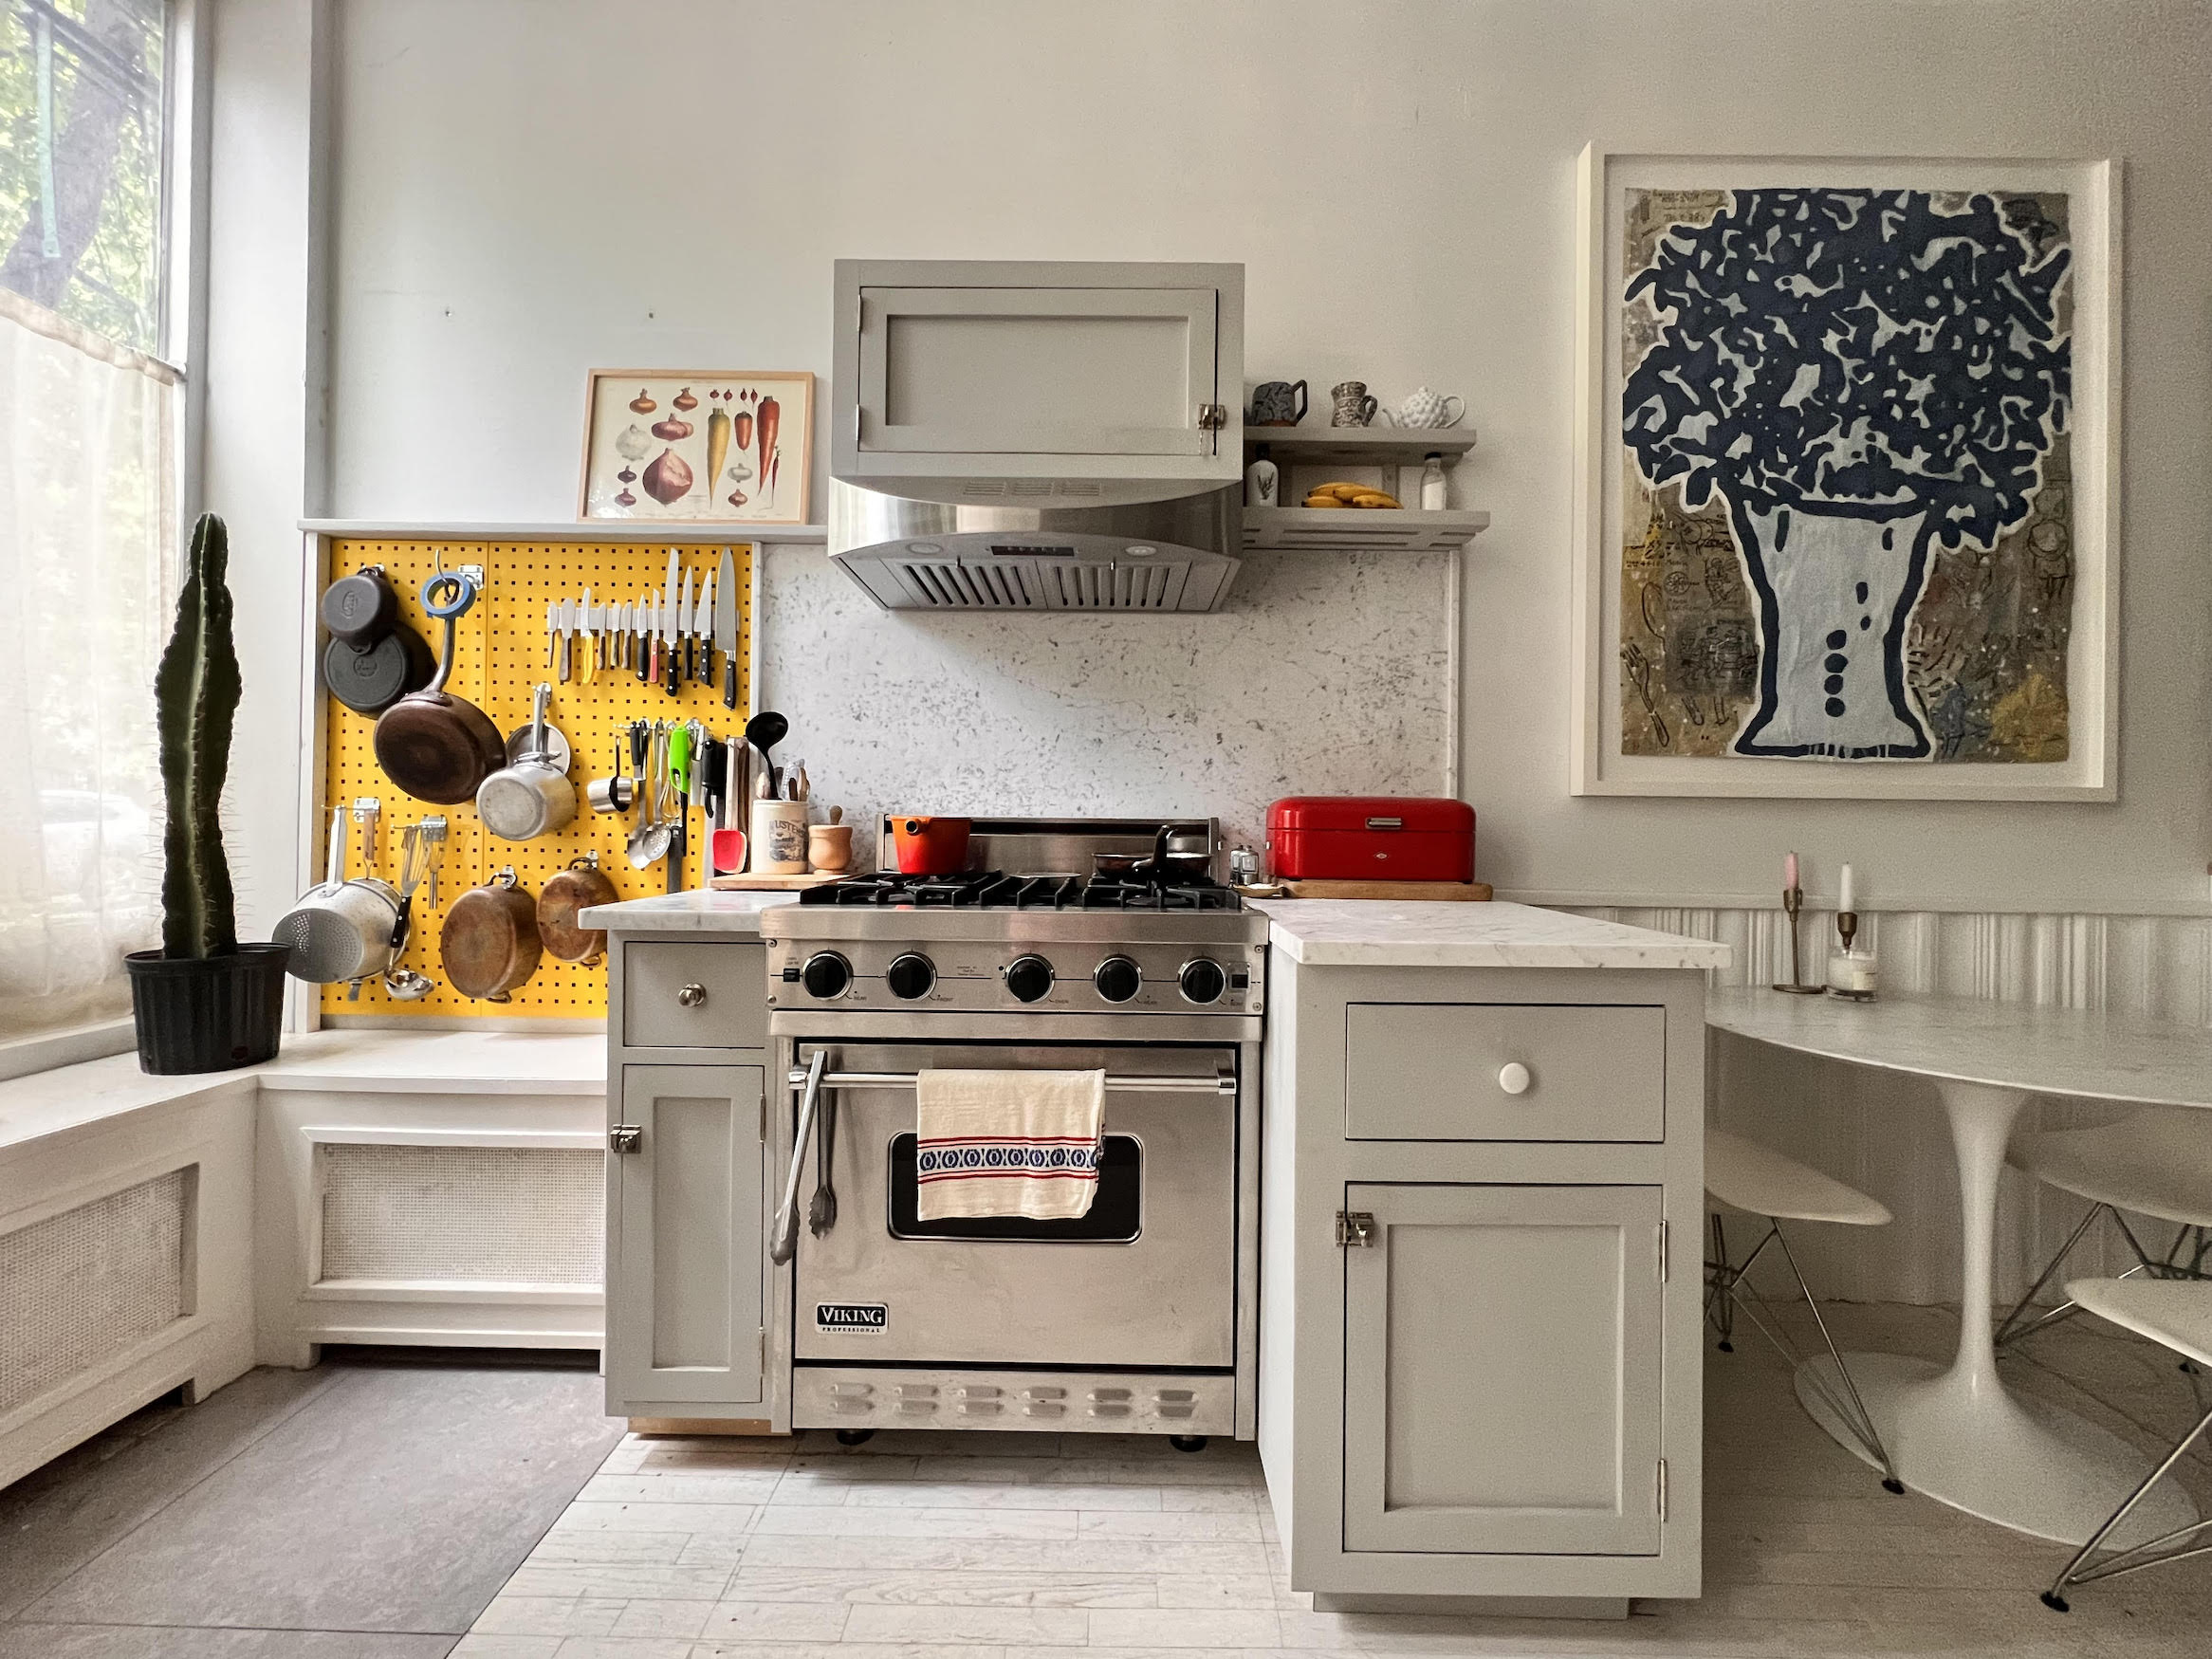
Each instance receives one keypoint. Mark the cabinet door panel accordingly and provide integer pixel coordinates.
(1503, 1371)
(1036, 371)
(685, 1280)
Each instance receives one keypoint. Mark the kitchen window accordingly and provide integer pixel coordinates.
(91, 413)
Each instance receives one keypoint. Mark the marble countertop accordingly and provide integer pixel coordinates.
(2070, 1052)
(348, 1061)
(1344, 932)
(701, 911)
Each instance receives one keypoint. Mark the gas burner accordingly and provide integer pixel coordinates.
(995, 890)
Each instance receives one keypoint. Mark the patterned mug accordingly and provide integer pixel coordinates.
(1353, 407)
(1279, 403)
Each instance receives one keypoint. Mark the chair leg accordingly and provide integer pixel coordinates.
(2005, 1332)
(1721, 1299)
(2135, 1557)
(1864, 1419)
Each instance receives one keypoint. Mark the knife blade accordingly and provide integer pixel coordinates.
(579, 635)
(683, 642)
(726, 625)
(701, 624)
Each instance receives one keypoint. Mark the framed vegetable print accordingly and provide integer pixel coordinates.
(697, 447)
(1847, 459)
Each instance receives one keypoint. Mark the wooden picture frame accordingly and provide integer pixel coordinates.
(639, 467)
(1728, 755)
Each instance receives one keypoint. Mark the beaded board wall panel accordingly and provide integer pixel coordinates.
(500, 658)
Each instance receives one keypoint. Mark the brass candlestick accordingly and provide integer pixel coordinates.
(1847, 928)
(1794, 901)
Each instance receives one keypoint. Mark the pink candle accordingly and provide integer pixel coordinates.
(1789, 870)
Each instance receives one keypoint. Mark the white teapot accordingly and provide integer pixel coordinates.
(1425, 408)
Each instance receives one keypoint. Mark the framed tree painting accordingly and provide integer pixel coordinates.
(697, 447)
(1846, 478)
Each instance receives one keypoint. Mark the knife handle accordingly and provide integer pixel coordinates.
(730, 680)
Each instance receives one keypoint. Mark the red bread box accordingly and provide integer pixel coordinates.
(1371, 838)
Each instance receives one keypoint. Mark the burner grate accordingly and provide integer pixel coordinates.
(993, 889)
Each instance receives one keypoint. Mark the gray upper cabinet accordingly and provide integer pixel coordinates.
(977, 371)
(1502, 1371)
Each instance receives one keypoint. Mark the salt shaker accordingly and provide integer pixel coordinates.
(1432, 483)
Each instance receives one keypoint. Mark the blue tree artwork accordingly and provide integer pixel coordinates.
(1864, 381)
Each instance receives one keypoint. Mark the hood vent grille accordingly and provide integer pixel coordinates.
(1031, 488)
(944, 584)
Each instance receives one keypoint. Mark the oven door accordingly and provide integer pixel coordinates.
(1146, 1280)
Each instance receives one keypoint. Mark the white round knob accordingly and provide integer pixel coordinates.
(1514, 1078)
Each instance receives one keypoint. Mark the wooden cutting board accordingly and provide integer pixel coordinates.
(772, 883)
(1471, 891)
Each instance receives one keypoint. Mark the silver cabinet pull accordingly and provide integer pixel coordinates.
(691, 996)
(783, 1241)
(626, 1137)
(1212, 418)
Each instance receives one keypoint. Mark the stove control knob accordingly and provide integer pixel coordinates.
(910, 976)
(1029, 978)
(1203, 980)
(826, 975)
(1117, 979)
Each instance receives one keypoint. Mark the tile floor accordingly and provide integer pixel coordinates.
(1008, 1546)
(367, 1509)
(371, 1510)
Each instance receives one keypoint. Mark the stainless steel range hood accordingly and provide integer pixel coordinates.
(1024, 436)
(1011, 555)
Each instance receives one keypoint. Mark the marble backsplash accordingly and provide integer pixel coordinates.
(1324, 674)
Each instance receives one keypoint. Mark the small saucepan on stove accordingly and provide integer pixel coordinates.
(438, 747)
(929, 847)
(1181, 850)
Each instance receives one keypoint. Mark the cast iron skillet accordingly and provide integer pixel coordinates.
(438, 747)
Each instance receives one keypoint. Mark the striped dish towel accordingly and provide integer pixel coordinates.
(1007, 1143)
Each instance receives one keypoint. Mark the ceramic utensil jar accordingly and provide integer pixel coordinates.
(778, 838)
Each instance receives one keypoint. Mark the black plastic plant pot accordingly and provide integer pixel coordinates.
(208, 1013)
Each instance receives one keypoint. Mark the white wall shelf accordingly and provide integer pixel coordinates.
(1359, 529)
(595, 530)
(1358, 446)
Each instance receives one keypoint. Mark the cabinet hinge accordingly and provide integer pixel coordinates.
(1663, 1252)
(1354, 1229)
(1662, 1488)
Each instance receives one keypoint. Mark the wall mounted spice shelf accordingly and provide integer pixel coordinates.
(1359, 529)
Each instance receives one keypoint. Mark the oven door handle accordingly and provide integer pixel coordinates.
(1222, 1082)
(785, 1243)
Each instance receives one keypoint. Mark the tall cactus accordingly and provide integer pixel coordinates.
(196, 692)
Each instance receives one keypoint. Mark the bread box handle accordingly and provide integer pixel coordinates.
(1386, 823)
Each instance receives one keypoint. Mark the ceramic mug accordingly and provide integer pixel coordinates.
(1424, 408)
(1353, 407)
(1279, 403)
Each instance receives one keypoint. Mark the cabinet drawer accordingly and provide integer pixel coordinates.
(1443, 1071)
(695, 996)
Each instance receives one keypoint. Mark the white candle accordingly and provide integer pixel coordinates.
(1845, 902)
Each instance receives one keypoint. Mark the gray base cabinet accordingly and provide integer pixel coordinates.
(1480, 1373)
(687, 1180)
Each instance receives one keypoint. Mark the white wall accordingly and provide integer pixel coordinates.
(529, 188)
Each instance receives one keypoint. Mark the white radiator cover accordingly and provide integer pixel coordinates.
(450, 1214)
(83, 1287)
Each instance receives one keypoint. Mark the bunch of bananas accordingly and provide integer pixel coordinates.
(1333, 496)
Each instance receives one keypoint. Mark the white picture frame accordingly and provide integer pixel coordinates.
(2090, 770)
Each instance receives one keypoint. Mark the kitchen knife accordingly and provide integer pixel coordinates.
(562, 635)
(668, 639)
(726, 626)
(689, 648)
(552, 632)
(701, 624)
(638, 654)
(581, 630)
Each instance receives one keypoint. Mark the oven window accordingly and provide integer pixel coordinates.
(1114, 1212)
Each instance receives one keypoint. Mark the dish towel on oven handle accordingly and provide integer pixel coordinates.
(1007, 1143)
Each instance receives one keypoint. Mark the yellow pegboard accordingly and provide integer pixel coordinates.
(499, 661)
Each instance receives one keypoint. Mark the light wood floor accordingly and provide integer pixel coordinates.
(1008, 1546)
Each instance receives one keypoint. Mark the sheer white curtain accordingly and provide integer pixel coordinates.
(87, 534)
